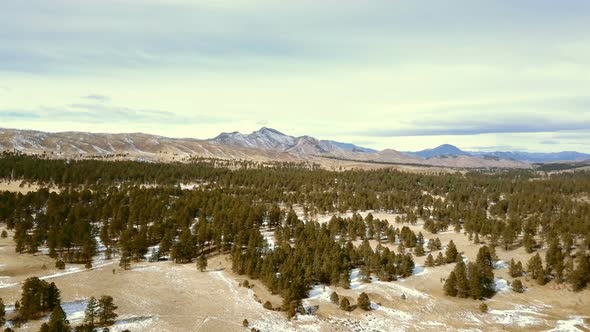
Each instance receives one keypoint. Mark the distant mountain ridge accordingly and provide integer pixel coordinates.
(529, 157)
(266, 144)
(272, 139)
(441, 150)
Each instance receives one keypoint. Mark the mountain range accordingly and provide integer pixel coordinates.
(529, 157)
(266, 144)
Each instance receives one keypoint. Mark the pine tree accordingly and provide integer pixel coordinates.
(202, 263)
(364, 302)
(485, 277)
(450, 287)
(515, 269)
(535, 269)
(58, 321)
(554, 259)
(462, 281)
(529, 242)
(125, 261)
(437, 244)
(345, 280)
(517, 286)
(580, 277)
(267, 305)
(91, 312)
(440, 259)
(2, 312)
(451, 253)
(345, 304)
(106, 310)
(334, 298)
(419, 249)
(429, 262)
(483, 308)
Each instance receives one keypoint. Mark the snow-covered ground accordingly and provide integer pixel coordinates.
(419, 271)
(573, 324)
(75, 311)
(501, 285)
(520, 315)
(498, 265)
(5, 282)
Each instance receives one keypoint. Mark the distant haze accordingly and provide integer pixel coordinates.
(408, 75)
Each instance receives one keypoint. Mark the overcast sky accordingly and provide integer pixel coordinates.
(483, 75)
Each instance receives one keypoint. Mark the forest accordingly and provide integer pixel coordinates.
(126, 207)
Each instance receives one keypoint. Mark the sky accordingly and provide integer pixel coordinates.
(408, 75)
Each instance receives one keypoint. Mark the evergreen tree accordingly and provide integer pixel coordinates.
(429, 262)
(106, 310)
(57, 321)
(2, 312)
(125, 261)
(580, 277)
(535, 269)
(515, 269)
(440, 259)
(529, 242)
(37, 297)
(450, 287)
(267, 305)
(334, 298)
(91, 312)
(483, 307)
(364, 302)
(451, 253)
(517, 286)
(554, 259)
(344, 304)
(419, 249)
(462, 282)
(202, 263)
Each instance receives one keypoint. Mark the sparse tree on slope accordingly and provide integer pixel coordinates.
(364, 302)
(91, 312)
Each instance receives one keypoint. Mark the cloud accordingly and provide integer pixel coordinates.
(550, 142)
(62, 35)
(6, 115)
(476, 128)
(101, 113)
(493, 117)
(97, 97)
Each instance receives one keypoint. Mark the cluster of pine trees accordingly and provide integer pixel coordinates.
(475, 280)
(38, 298)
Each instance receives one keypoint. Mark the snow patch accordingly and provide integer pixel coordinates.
(75, 311)
(521, 316)
(419, 271)
(501, 285)
(573, 324)
(395, 314)
(500, 265)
